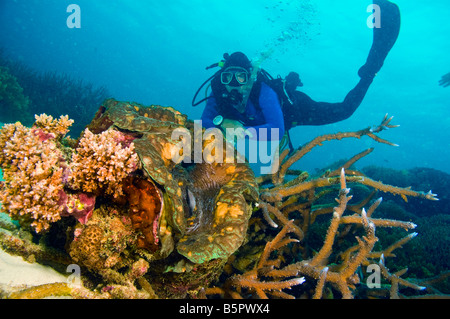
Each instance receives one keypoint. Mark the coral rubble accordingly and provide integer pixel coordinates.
(142, 225)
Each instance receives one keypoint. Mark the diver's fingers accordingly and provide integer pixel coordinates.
(444, 83)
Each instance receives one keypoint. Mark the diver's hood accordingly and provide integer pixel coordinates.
(237, 59)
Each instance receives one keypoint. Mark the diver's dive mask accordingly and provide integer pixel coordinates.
(234, 76)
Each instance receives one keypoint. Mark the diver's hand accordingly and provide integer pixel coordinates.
(238, 128)
(445, 81)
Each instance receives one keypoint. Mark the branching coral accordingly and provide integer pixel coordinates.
(101, 162)
(38, 179)
(299, 197)
(262, 279)
(342, 276)
(50, 128)
(34, 170)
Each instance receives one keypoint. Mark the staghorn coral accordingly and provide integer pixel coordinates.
(101, 162)
(270, 277)
(417, 178)
(259, 280)
(331, 269)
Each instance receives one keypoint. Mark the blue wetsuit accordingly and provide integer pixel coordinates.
(267, 116)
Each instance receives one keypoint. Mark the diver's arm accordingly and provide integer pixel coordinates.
(209, 113)
(384, 38)
(320, 113)
(271, 109)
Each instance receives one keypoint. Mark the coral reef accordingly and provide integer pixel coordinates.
(342, 274)
(143, 225)
(47, 92)
(428, 256)
(13, 102)
(136, 206)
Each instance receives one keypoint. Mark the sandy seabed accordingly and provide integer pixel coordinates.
(15, 273)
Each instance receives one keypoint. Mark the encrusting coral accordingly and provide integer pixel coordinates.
(146, 205)
(149, 226)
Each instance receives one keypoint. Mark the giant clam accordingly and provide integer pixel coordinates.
(197, 210)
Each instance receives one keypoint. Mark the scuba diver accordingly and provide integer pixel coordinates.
(239, 100)
(244, 96)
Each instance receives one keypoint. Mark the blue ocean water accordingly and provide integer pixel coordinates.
(155, 52)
